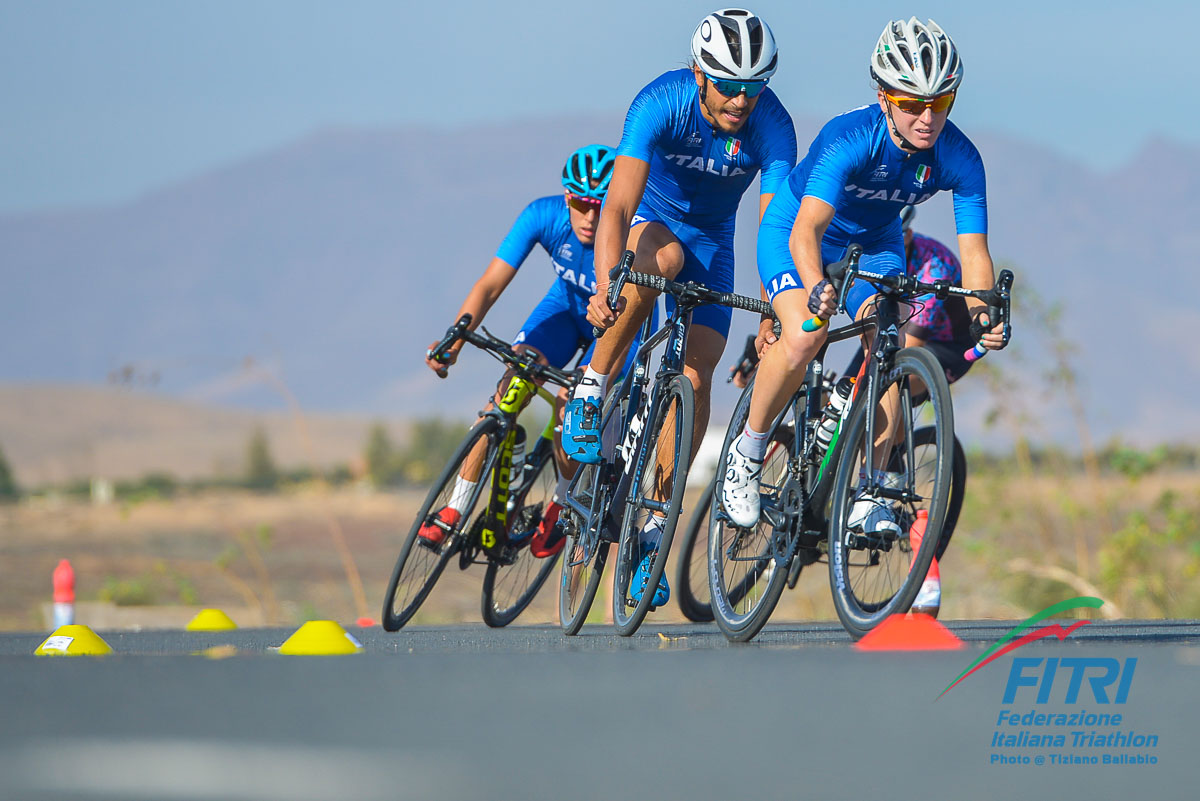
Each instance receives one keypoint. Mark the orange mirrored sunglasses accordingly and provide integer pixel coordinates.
(582, 204)
(917, 105)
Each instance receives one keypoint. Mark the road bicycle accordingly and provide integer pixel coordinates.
(691, 569)
(517, 495)
(809, 490)
(646, 443)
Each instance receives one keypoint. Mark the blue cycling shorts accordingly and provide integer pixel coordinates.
(883, 252)
(558, 328)
(707, 260)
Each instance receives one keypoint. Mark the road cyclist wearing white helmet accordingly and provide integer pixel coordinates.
(861, 169)
(557, 329)
(693, 141)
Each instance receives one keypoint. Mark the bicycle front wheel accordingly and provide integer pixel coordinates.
(421, 562)
(660, 466)
(877, 573)
(514, 577)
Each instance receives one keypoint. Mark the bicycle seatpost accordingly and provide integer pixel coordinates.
(616, 277)
(999, 300)
(837, 277)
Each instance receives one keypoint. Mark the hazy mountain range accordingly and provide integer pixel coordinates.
(333, 262)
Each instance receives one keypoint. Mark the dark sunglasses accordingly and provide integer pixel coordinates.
(735, 88)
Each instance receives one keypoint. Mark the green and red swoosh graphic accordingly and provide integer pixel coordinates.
(1013, 640)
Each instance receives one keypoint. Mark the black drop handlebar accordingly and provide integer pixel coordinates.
(497, 347)
(688, 294)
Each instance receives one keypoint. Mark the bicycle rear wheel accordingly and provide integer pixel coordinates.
(875, 574)
(747, 567)
(514, 578)
(925, 438)
(420, 565)
(660, 466)
(691, 570)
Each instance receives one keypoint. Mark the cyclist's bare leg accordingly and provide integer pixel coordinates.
(704, 349)
(473, 464)
(782, 368)
(658, 252)
(887, 416)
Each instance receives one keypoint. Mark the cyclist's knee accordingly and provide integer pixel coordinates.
(798, 347)
(656, 250)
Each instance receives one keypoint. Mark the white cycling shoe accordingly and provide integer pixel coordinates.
(739, 490)
(873, 515)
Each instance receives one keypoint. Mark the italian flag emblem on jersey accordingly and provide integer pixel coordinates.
(923, 174)
(732, 147)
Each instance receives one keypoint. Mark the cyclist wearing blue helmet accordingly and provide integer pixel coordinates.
(565, 226)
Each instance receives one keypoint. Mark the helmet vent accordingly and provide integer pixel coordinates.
(770, 68)
(714, 66)
(756, 39)
(733, 39)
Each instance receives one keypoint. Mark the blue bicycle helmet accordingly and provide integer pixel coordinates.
(589, 170)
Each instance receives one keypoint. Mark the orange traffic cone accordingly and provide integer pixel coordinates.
(909, 633)
(64, 594)
(931, 585)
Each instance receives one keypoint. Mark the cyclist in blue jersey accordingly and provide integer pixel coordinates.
(859, 171)
(565, 226)
(694, 139)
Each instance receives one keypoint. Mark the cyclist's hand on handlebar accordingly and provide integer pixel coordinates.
(823, 299)
(766, 336)
(991, 337)
(442, 368)
(598, 312)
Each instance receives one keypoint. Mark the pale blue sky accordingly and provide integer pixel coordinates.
(105, 100)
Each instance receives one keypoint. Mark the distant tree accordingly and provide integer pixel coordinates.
(9, 491)
(380, 456)
(433, 442)
(261, 473)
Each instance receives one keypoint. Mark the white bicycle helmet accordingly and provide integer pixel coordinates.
(917, 58)
(735, 44)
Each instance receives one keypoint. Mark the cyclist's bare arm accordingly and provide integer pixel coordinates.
(624, 194)
(978, 273)
(766, 327)
(495, 279)
(812, 219)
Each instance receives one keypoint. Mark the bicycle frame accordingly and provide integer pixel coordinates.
(601, 524)
(494, 533)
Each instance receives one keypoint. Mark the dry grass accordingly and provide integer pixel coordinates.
(212, 547)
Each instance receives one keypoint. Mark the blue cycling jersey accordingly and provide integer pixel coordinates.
(547, 222)
(854, 166)
(698, 174)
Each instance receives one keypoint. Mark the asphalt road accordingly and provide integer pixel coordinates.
(673, 712)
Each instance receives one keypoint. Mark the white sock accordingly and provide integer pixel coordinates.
(462, 494)
(591, 386)
(560, 489)
(651, 535)
(752, 444)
